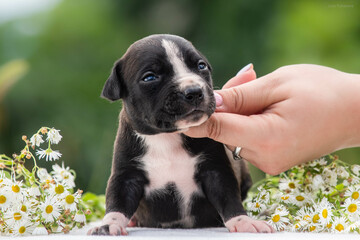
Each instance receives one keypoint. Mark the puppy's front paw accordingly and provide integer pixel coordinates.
(114, 230)
(113, 224)
(244, 223)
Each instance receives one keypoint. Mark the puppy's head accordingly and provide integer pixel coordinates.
(165, 84)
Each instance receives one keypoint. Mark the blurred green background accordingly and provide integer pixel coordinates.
(55, 60)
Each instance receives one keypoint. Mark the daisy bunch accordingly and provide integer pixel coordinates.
(319, 196)
(35, 201)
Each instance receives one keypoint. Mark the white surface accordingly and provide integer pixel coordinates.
(193, 234)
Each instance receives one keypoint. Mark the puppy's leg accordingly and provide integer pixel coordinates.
(243, 223)
(123, 195)
(245, 179)
(221, 188)
(112, 224)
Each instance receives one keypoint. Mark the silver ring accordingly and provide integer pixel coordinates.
(236, 154)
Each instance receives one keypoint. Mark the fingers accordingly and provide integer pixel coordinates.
(245, 75)
(250, 98)
(231, 129)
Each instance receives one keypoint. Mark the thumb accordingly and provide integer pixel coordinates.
(246, 99)
(230, 129)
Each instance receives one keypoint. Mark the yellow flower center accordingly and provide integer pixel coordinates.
(316, 218)
(339, 227)
(297, 226)
(355, 195)
(49, 209)
(285, 198)
(22, 229)
(70, 199)
(15, 188)
(324, 213)
(276, 218)
(307, 218)
(23, 208)
(2, 199)
(300, 198)
(292, 185)
(17, 216)
(312, 228)
(329, 225)
(352, 208)
(59, 189)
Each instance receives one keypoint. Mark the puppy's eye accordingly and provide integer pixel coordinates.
(202, 65)
(148, 77)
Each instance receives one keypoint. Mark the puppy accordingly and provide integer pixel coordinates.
(160, 177)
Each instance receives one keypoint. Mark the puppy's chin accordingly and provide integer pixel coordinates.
(191, 121)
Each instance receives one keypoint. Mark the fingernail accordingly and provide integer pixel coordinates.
(244, 69)
(218, 99)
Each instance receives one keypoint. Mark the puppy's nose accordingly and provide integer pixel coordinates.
(194, 95)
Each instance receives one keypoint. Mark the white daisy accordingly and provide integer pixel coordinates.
(299, 198)
(22, 228)
(304, 216)
(288, 184)
(298, 227)
(58, 191)
(353, 192)
(325, 211)
(63, 175)
(279, 219)
(314, 228)
(36, 140)
(17, 191)
(49, 154)
(352, 209)
(54, 136)
(284, 197)
(50, 209)
(256, 206)
(6, 198)
(70, 201)
(263, 195)
(15, 215)
(340, 225)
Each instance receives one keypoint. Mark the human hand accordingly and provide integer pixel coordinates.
(292, 115)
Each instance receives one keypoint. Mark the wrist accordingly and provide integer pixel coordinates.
(353, 112)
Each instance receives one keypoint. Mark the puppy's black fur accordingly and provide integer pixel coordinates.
(166, 86)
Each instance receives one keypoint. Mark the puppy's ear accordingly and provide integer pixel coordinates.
(113, 89)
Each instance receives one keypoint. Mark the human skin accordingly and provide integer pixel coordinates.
(295, 114)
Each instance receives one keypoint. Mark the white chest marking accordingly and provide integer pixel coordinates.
(166, 161)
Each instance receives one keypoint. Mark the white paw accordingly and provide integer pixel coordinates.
(244, 223)
(113, 224)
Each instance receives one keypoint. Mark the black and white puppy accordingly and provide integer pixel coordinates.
(160, 177)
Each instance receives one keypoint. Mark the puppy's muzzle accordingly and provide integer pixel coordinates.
(193, 95)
